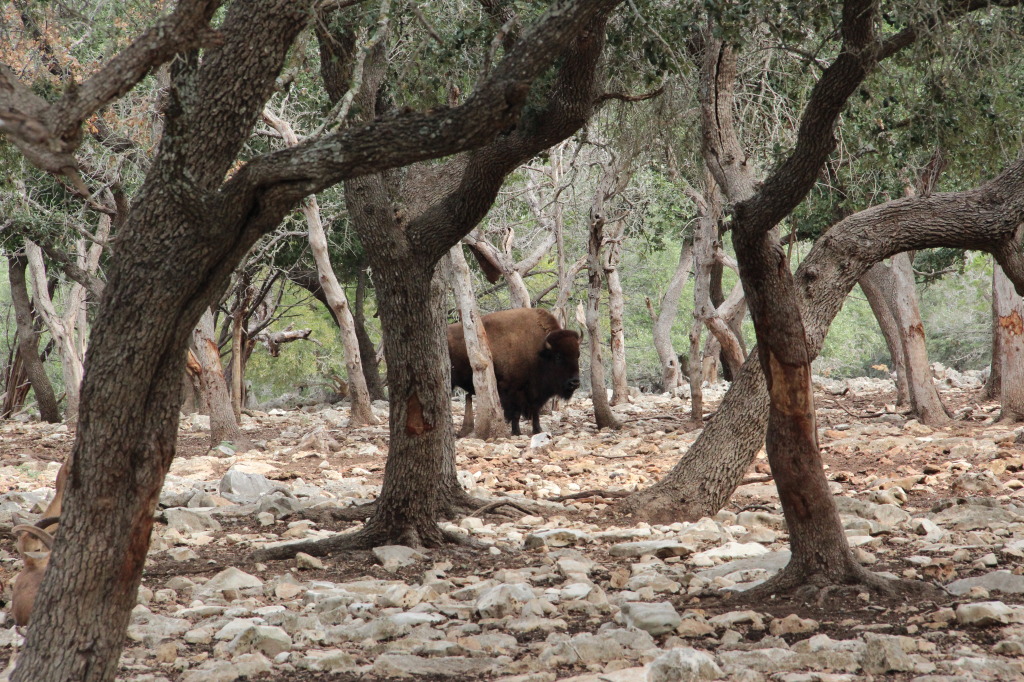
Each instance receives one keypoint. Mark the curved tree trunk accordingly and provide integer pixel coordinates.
(1010, 312)
(877, 286)
(28, 340)
(924, 396)
(671, 372)
(223, 419)
(488, 420)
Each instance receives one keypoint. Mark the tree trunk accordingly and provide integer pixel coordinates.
(60, 330)
(877, 286)
(695, 367)
(1010, 311)
(28, 340)
(924, 397)
(237, 325)
(218, 400)
(599, 394)
(488, 420)
(359, 394)
(367, 351)
(16, 385)
(616, 305)
(994, 384)
(671, 372)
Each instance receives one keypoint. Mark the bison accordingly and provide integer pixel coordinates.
(534, 360)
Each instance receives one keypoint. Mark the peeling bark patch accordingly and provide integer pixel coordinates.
(415, 424)
(1012, 323)
(916, 330)
(138, 546)
(790, 387)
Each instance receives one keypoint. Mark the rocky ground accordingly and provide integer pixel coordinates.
(569, 592)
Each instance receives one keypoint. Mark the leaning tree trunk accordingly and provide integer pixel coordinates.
(487, 421)
(671, 372)
(877, 286)
(925, 403)
(28, 340)
(362, 412)
(1010, 312)
(223, 420)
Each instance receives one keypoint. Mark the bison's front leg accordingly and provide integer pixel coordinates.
(536, 422)
(515, 424)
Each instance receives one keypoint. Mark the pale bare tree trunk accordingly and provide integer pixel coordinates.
(671, 373)
(62, 329)
(1010, 312)
(28, 341)
(488, 420)
(616, 315)
(994, 384)
(924, 397)
(218, 400)
(359, 394)
(877, 286)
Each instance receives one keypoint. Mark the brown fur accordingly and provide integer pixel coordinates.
(26, 585)
(534, 360)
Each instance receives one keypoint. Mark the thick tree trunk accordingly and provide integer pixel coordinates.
(28, 340)
(217, 398)
(925, 403)
(671, 372)
(1010, 311)
(367, 351)
(488, 420)
(877, 286)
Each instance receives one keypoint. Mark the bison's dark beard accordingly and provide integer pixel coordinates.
(566, 393)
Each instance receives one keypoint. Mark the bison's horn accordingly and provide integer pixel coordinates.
(547, 345)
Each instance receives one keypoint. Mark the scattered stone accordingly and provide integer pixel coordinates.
(684, 665)
(393, 557)
(656, 619)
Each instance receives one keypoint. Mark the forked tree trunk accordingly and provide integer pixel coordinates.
(218, 400)
(483, 410)
(28, 340)
(877, 286)
(924, 396)
(671, 372)
(362, 413)
(1010, 312)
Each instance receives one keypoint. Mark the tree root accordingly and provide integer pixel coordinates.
(608, 494)
(491, 506)
(325, 517)
(818, 587)
(364, 539)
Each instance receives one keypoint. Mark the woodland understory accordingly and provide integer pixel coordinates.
(185, 182)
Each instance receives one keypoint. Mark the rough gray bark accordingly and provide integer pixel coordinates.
(28, 340)
(187, 231)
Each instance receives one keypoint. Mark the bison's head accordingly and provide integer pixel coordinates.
(560, 359)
